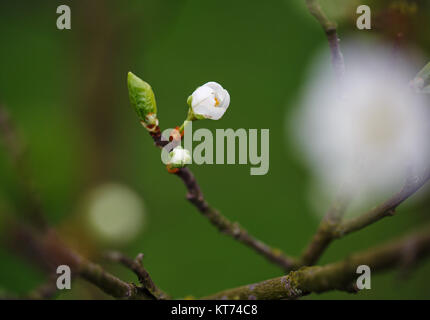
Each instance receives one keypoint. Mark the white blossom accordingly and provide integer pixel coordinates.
(179, 157)
(369, 131)
(210, 101)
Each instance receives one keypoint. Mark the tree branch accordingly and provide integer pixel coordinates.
(40, 243)
(335, 276)
(383, 210)
(330, 30)
(136, 266)
(48, 251)
(17, 153)
(332, 227)
(46, 291)
(325, 233)
(232, 229)
(108, 283)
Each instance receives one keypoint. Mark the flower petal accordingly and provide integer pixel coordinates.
(200, 94)
(226, 100)
(210, 101)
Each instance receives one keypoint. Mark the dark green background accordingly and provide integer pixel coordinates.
(66, 90)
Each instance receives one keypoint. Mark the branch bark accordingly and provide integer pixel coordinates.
(136, 266)
(17, 154)
(325, 233)
(48, 251)
(46, 291)
(335, 276)
(330, 30)
(332, 227)
(385, 209)
(224, 225)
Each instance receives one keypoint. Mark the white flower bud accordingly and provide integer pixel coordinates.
(179, 157)
(210, 101)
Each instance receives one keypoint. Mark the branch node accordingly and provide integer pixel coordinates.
(136, 266)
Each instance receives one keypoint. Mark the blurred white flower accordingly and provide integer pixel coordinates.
(368, 132)
(210, 101)
(116, 213)
(421, 83)
(179, 157)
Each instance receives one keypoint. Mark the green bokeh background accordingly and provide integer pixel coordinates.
(66, 91)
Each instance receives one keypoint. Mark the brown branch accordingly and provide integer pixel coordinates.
(385, 209)
(108, 283)
(325, 233)
(39, 242)
(335, 276)
(48, 251)
(232, 229)
(99, 69)
(45, 291)
(333, 217)
(136, 266)
(330, 30)
(332, 227)
(17, 153)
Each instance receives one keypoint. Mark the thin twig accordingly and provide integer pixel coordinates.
(385, 209)
(48, 251)
(333, 217)
(39, 242)
(232, 229)
(108, 283)
(45, 291)
(332, 228)
(325, 233)
(96, 112)
(136, 266)
(335, 276)
(330, 30)
(16, 151)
